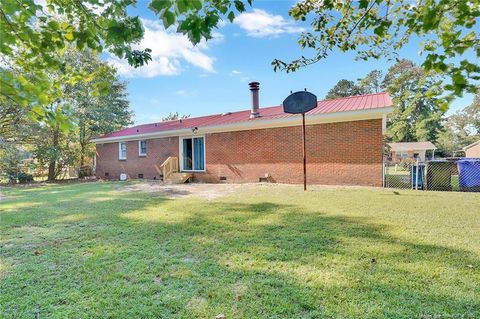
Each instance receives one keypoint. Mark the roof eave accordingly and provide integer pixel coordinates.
(471, 145)
(364, 114)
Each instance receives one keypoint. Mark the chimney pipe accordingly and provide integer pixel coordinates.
(254, 88)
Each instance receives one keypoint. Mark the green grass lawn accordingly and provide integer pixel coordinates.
(92, 251)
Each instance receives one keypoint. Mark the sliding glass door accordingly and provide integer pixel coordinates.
(193, 154)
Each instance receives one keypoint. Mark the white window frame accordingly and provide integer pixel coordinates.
(120, 151)
(180, 152)
(140, 148)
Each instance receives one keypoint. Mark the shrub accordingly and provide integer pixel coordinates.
(24, 178)
(10, 160)
(85, 171)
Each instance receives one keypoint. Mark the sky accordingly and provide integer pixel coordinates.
(213, 76)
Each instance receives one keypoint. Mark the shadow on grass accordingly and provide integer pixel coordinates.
(106, 253)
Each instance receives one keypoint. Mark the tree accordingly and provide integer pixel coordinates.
(175, 116)
(87, 108)
(10, 161)
(94, 112)
(15, 124)
(461, 128)
(467, 120)
(343, 88)
(373, 29)
(53, 141)
(371, 83)
(416, 115)
(35, 37)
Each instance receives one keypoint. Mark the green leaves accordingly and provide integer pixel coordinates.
(231, 16)
(35, 50)
(380, 28)
(168, 19)
(158, 6)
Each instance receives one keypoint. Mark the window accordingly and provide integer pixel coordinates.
(402, 155)
(193, 154)
(122, 150)
(142, 148)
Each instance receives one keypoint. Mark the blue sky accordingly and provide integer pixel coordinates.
(213, 77)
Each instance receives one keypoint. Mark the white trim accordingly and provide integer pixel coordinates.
(180, 154)
(120, 151)
(384, 123)
(140, 148)
(259, 123)
(471, 145)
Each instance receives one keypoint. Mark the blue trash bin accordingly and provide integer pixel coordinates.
(413, 176)
(469, 174)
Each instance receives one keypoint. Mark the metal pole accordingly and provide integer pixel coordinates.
(416, 175)
(304, 154)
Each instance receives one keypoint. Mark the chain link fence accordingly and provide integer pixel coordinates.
(452, 174)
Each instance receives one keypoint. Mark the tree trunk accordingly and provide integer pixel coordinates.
(82, 155)
(82, 143)
(51, 166)
(51, 171)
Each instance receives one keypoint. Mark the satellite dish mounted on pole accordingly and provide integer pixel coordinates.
(300, 103)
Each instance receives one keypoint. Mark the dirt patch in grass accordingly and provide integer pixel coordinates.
(198, 190)
(207, 191)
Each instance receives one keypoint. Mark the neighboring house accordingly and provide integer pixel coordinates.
(344, 139)
(472, 150)
(399, 151)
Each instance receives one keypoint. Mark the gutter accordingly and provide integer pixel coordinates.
(259, 123)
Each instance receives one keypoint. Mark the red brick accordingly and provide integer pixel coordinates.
(345, 153)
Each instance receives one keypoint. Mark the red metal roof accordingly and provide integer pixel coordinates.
(352, 103)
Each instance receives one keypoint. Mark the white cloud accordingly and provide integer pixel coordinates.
(259, 23)
(235, 72)
(186, 93)
(170, 53)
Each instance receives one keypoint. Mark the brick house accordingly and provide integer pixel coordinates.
(472, 150)
(344, 139)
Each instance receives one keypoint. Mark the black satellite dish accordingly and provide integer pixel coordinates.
(300, 102)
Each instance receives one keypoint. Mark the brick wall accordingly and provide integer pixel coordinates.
(345, 153)
(158, 150)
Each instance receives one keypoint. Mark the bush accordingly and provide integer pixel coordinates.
(24, 178)
(10, 161)
(85, 171)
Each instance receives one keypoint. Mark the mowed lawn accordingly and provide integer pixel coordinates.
(95, 251)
